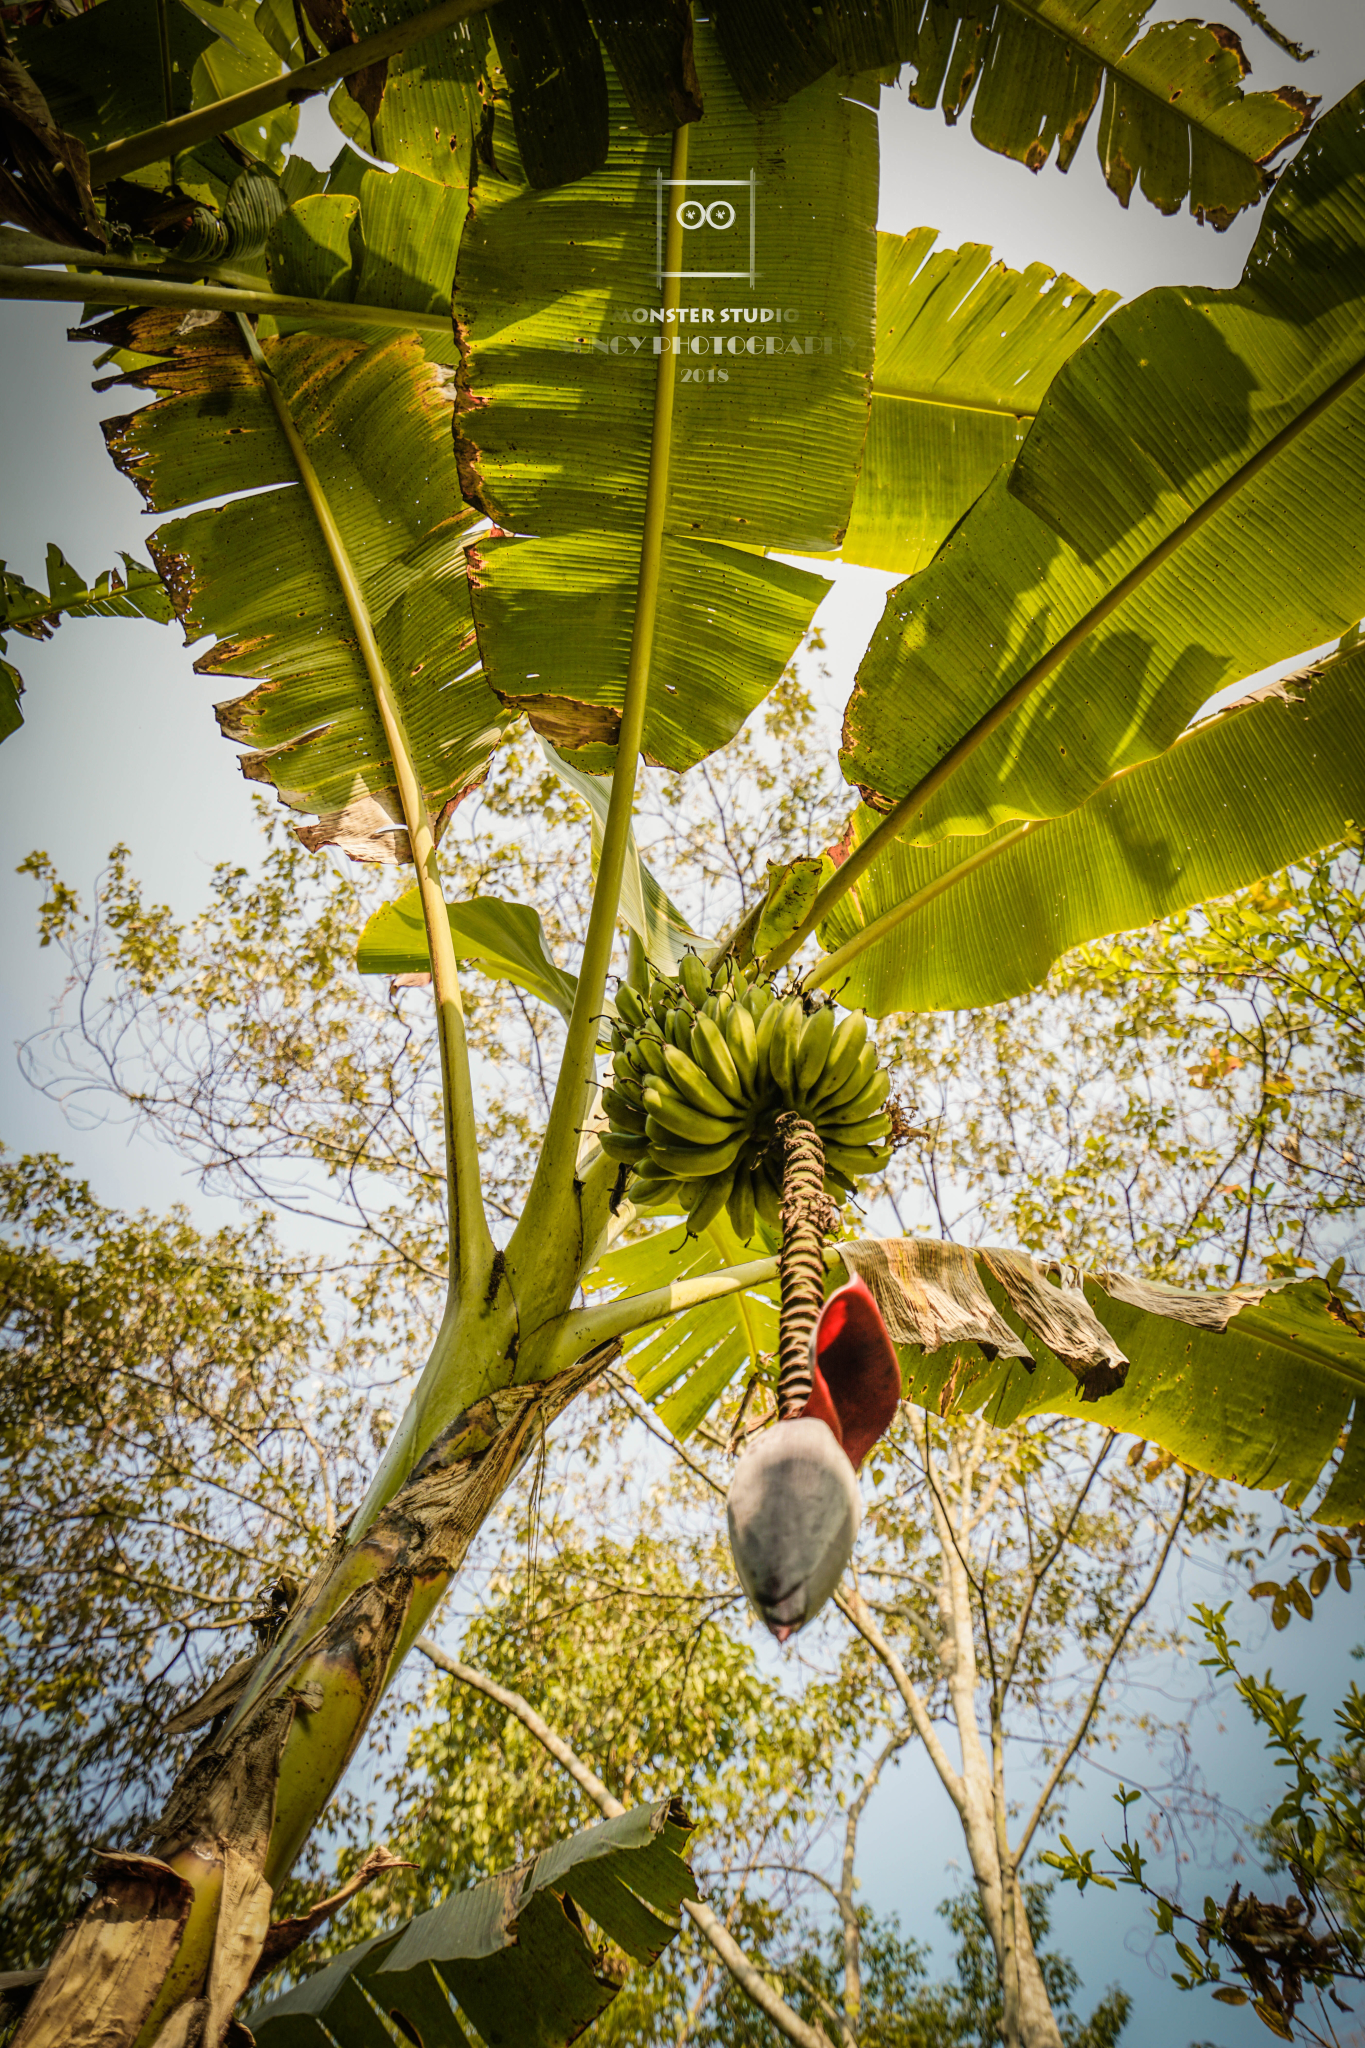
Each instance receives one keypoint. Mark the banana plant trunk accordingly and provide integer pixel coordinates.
(162, 1955)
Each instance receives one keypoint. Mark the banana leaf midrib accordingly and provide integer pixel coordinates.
(954, 402)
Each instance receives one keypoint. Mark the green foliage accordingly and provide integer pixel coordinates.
(172, 1448)
(1315, 1836)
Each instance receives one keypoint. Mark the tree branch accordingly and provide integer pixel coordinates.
(750, 1980)
(855, 1609)
(1101, 1676)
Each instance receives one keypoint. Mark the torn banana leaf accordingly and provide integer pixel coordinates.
(1262, 1384)
(136, 593)
(256, 574)
(966, 922)
(1174, 121)
(770, 407)
(506, 940)
(965, 350)
(509, 1957)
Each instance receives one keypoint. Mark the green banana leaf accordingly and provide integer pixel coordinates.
(554, 293)
(135, 594)
(255, 572)
(510, 1957)
(419, 110)
(1174, 124)
(645, 909)
(1251, 790)
(965, 350)
(1182, 514)
(684, 1364)
(506, 940)
(1264, 1385)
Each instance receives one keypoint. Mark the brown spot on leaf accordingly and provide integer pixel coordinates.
(567, 722)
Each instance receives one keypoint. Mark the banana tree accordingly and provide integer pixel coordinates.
(571, 507)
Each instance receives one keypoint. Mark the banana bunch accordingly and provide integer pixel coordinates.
(702, 1068)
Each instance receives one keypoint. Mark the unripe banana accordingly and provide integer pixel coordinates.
(713, 1196)
(813, 1048)
(741, 1036)
(836, 1190)
(679, 1030)
(870, 1131)
(694, 1162)
(630, 1006)
(767, 1203)
(712, 1054)
(767, 1024)
(623, 1112)
(623, 1066)
(856, 1162)
(659, 1000)
(847, 1043)
(832, 1173)
(758, 1000)
(741, 1205)
(721, 978)
(623, 1146)
(693, 1085)
(694, 979)
(864, 1069)
(783, 1044)
(864, 1105)
(651, 1052)
(669, 1118)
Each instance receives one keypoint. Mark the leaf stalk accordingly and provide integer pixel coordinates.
(136, 288)
(186, 131)
(578, 1068)
(471, 1246)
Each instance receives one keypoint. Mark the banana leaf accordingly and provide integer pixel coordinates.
(135, 594)
(965, 350)
(683, 1364)
(510, 1957)
(1174, 122)
(1261, 1384)
(645, 908)
(1256, 787)
(1182, 515)
(555, 293)
(506, 940)
(255, 573)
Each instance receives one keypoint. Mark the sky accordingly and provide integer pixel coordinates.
(120, 744)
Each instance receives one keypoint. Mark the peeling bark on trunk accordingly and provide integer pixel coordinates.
(169, 1945)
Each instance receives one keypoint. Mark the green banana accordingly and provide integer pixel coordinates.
(866, 1104)
(867, 1132)
(625, 1115)
(783, 1044)
(712, 1055)
(864, 1070)
(813, 1048)
(856, 1163)
(741, 1205)
(714, 1195)
(630, 1006)
(651, 1052)
(758, 1001)
(836, 1190)
(832, 1173)
(847, 1043)
(623, 1146)
(660, 1000)
(695, 1162)
(767, 1203)
(694, 978)
(741, 1036)
(693, 1085)
(767, 1024)
(669, 1118)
